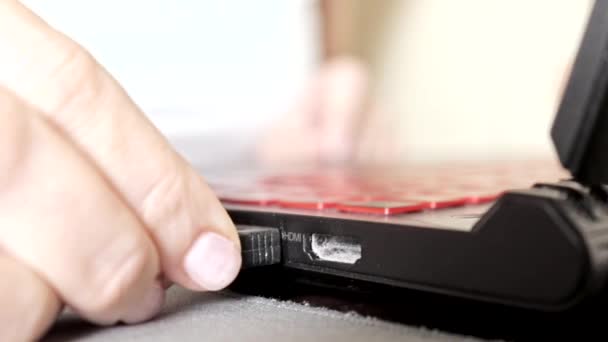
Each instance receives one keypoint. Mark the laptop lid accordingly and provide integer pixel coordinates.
(580, 128)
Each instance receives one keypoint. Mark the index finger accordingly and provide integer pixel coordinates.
(197, 242)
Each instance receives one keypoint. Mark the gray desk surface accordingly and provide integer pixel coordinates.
(227, 316)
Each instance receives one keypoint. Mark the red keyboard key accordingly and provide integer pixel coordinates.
(442, 201)
(481, 198)
(307, 203)
(251, 198)
(382, 207)
(478, 196)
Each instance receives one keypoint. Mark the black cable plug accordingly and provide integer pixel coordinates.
(261, 246)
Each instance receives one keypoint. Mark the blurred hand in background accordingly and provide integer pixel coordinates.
(336, 118)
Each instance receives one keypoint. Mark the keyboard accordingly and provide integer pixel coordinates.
(377, 191)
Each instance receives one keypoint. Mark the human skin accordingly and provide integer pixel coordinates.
(97, 211)
(336, 118)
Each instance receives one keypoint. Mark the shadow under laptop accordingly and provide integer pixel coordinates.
(431, 311)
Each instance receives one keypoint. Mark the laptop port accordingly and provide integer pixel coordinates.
(333, 248)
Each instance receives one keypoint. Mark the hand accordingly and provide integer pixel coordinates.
(96, 209)
(335, 121)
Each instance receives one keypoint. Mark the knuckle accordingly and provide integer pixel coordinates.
(77, 78)
(116, 273)
(166, 201)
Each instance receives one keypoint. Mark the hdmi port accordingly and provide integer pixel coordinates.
(338, 249)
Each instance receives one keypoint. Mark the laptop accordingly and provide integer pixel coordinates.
(528, 234)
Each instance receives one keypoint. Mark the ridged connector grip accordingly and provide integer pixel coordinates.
(261, 246)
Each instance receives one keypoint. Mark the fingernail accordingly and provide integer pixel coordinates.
(150, 306)
(213, 261)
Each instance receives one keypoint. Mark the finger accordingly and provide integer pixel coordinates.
(29, 305)
(345, 93)
(294, 139)
(377, 143)
(59, 217)
(196, 239)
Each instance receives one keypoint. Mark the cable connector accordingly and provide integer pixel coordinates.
(261, 246)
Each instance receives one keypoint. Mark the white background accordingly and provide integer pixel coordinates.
(210, 67)
(463, 78)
